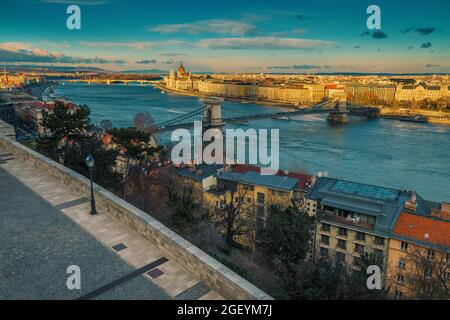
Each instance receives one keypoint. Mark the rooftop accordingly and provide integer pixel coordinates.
(303, 179)
(423, 229)
(276, 182)
(385, 204)
(200, 172)
(366, 191)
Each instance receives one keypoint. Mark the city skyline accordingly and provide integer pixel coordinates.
(293, 37)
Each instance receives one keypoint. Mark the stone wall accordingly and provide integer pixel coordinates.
(214, 274)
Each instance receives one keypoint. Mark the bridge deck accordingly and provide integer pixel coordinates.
(186, 121)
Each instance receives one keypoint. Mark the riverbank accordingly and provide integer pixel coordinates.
(433, 117)
(240, 100)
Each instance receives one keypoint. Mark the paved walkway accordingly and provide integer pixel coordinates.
(46, 226)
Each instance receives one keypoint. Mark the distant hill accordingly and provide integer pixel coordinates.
(34, 68)
(151, 71)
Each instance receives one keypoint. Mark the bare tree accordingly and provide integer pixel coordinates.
(235, 217)
(429, 276)
(143, 121)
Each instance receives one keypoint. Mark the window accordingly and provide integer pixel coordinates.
(360, 236)
(340, 257)
(379, 241)
(404, 246)
(249, 200)
(325, 227)
(400, 278)
(324, 252)
(260, 198)
(379, 254)
(398, 294)
(342, 232)
(402, 263)
(325, 239)
(342, 244)
(430, 254)
(359, 248)
(429, 272)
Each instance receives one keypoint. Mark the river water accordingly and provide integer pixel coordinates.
(383, 152)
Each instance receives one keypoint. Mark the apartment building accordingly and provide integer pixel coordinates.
(214, 186)
(361, 92)
(421, 91)
(29, 116)
(355, 218)
(419, 253)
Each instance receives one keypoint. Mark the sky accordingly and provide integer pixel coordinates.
(230, 36)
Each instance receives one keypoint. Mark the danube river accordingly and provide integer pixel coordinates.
(383, 152)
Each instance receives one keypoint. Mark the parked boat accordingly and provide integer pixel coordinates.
(416, 118)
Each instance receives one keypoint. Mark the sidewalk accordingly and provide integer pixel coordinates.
(156, 266)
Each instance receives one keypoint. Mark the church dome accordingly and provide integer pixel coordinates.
(181, 69)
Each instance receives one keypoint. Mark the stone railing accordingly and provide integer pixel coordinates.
(217, 276)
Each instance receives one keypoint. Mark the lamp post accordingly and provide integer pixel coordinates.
(90, 161)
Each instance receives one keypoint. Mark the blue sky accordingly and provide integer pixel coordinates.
(230, 36)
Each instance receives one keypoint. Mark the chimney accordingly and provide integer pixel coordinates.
(445, 211)
(411, 204)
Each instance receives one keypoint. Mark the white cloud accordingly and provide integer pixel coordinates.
(23, 52)
(265, 43)
(78, 2)
(218, 26)
(140, 45)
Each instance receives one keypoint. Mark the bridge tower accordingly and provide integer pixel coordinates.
(212, 114)
(340, 114)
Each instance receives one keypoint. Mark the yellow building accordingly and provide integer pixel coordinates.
(421, 91)
(419, 255)
(247, 186)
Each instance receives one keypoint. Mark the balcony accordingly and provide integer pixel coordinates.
(331, 216)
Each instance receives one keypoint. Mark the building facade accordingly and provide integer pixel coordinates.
(421, 91)
(419, 254)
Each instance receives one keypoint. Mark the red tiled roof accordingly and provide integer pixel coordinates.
(106, 139)
(303, 179)
(37, 105)
(244, 168)
(417, 227)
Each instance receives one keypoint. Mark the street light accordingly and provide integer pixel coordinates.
(90, 161)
